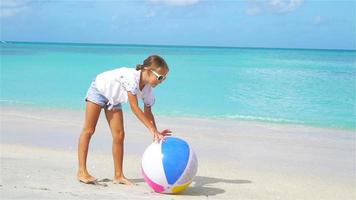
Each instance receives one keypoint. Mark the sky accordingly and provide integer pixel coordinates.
(317, 24)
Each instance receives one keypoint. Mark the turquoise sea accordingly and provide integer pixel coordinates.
(297, 86)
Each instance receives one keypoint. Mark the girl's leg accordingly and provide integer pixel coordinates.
(92, 113)
(116, 123)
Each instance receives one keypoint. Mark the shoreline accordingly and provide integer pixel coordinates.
(247, 119)
(241, 160)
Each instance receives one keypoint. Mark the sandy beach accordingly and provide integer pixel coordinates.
(237, 159)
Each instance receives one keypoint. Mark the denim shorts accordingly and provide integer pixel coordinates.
(93, 95)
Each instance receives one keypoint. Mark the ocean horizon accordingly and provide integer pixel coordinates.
(315, 87)
(163, 45)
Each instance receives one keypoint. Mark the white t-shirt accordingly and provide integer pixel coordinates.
(115, 84)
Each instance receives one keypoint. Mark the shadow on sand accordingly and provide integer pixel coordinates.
(203, 186)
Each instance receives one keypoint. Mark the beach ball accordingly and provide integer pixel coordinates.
(169, 166)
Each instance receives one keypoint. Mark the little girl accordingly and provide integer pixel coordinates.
(109, 90)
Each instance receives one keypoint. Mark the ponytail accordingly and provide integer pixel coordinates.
(139, 67)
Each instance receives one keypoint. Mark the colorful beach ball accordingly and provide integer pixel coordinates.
(169, 166)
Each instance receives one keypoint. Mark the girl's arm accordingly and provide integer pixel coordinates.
(142, 117)
(148, 113)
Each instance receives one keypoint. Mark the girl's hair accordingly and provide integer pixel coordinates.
(153, 61)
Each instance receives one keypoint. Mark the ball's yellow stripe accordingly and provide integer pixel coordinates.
(180, 188)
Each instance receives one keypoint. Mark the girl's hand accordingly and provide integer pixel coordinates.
(166, 132)
(157, 136)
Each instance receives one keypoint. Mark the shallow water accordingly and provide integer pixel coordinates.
(313, 87)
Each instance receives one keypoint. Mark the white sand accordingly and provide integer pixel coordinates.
(237, 160)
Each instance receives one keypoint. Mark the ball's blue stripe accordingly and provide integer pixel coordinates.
(175, 158)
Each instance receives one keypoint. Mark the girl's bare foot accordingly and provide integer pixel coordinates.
(123, 180)
(86, 178)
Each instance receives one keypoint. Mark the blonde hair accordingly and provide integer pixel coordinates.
(154, 62)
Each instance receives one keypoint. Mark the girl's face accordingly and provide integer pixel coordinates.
(156, 76)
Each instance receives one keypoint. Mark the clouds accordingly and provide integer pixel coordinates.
(256, 7)
(319, 20)
(284, 6)
(284, 23)
(175, 2)
(10, 8)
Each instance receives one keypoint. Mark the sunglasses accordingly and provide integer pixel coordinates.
(158, 76)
